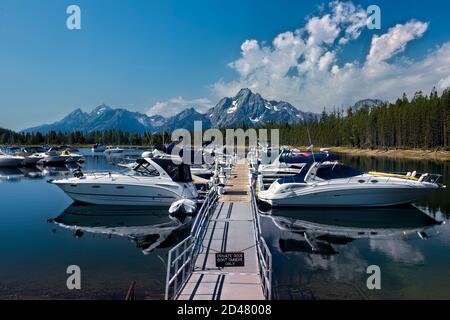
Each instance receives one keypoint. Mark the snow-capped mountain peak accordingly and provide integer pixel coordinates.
(244, 109)
(249, 109)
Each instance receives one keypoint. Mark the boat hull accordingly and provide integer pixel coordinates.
(346, 197)
(31, 161)
(60, 160)
(127, 195)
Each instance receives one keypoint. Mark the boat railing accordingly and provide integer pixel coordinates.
(378, 180)
(424, 177)
(262, 250)
(181, 258)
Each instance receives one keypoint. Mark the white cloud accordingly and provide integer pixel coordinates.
(395, 40)
(177, 104)
(322, 30)
(326, 60)
(444, 83)
(302, 66)
(353, 19)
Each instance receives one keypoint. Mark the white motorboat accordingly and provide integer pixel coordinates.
(33, 159)
(8, 160)
(32, 155)
(289, 163)
(53, 157)
(333, 184)
(112, 151)
(151, 182)
(98, 148)
(73, 157)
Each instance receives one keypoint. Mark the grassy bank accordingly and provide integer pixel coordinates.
(438, 155)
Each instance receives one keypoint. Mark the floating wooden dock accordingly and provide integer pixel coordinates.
(231, 228)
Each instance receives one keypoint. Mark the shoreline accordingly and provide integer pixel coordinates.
(413, 154)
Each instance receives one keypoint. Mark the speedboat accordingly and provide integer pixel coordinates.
(288, 163)
(53, 157)
(72, 157)
(332, 184)
(68, 148)
(32, 155)
(150, 182)
(33, 159)
(9, 160)
(98, 148)
(202, 170)
(112, 151)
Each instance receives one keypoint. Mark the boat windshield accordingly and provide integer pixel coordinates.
(336, 171)
(144, 170)
(178, 172)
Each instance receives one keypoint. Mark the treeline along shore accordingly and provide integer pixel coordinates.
(421, 124)
(79, 138)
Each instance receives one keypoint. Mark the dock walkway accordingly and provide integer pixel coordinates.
(231, 228)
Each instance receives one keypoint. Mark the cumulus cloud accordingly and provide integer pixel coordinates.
(394, 41)
(177, 104)
(444, 83)
(302, 66)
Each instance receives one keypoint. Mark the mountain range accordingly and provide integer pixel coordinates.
(367, 103)
(246, 109)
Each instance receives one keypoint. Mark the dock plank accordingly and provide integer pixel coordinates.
(231, 229)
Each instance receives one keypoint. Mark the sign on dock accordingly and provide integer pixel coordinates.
(230, 259)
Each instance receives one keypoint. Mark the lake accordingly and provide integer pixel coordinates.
(317, 254)
(324, 253)
(42, 233)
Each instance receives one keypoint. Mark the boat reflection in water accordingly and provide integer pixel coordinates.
(13, 174)
(148, 228)
(316, 231)
(10, 174)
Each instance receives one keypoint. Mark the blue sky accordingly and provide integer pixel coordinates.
(161, 56)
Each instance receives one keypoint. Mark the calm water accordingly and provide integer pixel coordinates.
(113, 245)
(42, 232)
(323, 254)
